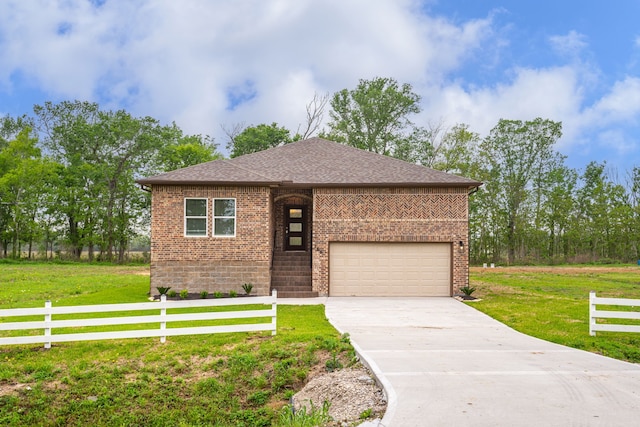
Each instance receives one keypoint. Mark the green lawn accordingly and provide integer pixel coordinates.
(552, 303)
(226, 379)
(244, 379)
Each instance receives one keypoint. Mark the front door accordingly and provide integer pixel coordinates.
(295, 224)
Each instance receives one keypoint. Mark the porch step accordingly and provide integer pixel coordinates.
(301, 294)
(291, 275)
(296, 292)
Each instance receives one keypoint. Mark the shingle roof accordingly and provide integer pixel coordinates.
(313, 162)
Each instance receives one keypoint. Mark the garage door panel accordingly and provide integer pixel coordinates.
(390, 269)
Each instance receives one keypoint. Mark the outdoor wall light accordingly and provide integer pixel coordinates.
(461, 245)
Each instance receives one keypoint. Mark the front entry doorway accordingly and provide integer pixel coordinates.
(295, 224)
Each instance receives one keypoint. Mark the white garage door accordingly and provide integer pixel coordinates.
(390, 269)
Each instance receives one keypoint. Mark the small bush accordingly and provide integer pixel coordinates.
(163, 289)
(468, 290)
(204, 294)
(172, 294)
(217, 294)
(184, 294)
(233, 294)
(247, 288)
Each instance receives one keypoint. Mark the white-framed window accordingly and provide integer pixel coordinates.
(195, 217)
(224, 217)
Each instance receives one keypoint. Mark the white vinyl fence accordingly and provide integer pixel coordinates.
(595, 314)
(161, 307)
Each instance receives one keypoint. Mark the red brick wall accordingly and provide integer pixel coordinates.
(338, 214)
(211, 263)
(389, 215)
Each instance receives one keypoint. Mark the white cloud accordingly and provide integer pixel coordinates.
(620, 105)
(180, 61)
(548, 93)
(570, 45)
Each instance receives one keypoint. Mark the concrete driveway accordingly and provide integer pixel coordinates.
(446, 364)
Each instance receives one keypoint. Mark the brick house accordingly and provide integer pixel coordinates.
(310, 218)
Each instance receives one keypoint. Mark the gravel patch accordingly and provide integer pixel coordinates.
(351, 392)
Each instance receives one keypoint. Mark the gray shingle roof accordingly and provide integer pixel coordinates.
(313, 162)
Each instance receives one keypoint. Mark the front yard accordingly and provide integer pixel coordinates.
(552, 303)
(242, 379)
(245, 379)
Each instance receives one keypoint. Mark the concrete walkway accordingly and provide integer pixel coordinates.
(446, 364)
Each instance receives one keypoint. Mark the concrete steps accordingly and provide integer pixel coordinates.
(291, 275)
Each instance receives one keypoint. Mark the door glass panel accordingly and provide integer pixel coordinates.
(295, 227)
(295, 213)
(295, 241)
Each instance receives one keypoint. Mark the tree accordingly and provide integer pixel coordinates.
(517, 154)
(604, 214)
(375, 116)
(182, 150)
(10, 127)
(315, 114)
(257, 138)
(558, 207)
(24, 176)
(100, 154)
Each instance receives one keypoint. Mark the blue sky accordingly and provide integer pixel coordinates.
(211, 63)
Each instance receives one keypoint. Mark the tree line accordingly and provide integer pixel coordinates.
(67, 176)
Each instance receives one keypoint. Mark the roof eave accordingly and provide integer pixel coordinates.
(201, 183)
(473, 184)
(151, 182)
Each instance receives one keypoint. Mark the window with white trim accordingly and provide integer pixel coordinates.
(224, 217)
(195, 217)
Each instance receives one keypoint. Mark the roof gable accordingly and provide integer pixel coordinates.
(313, 162)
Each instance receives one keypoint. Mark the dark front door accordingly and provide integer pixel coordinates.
(295, 228)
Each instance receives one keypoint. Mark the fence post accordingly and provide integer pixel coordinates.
(163, 313)
(592, 312)
(47, 318)
(274, 307)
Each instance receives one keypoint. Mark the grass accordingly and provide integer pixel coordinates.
(242, 379)
(552, 303)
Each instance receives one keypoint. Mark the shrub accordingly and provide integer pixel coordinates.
(468, 290)
(184, 294)
(163, 289)
(204, 294)
(233, 294)
(217, 294)
(172, 294)
(247, 288)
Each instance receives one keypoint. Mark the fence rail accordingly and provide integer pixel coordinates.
(161, 307)
(595, 314)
